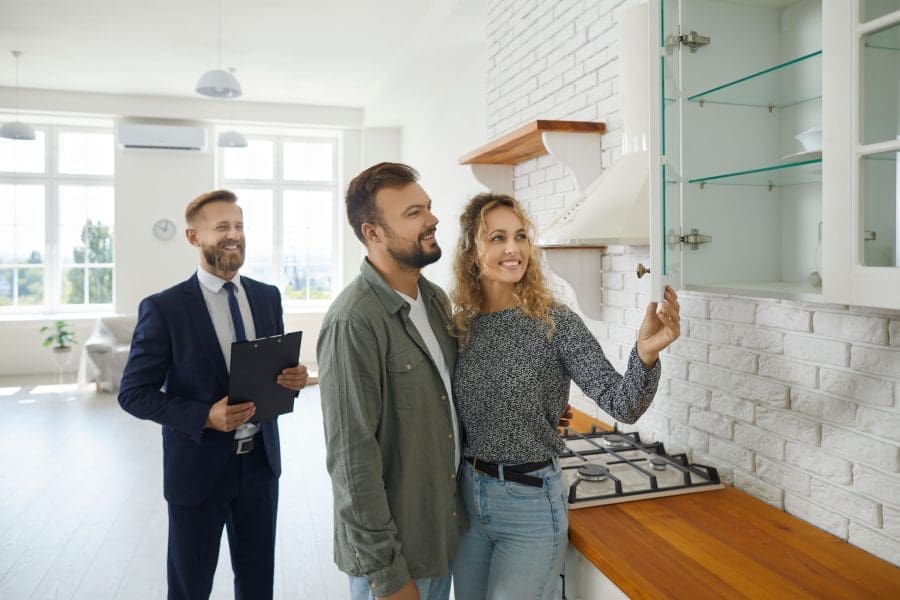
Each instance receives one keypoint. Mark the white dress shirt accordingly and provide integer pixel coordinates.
(216, 298)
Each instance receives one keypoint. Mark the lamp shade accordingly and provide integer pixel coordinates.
(219, 84)
(17, 130)
(232, 139)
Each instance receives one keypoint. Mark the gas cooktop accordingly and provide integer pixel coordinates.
(603, 467)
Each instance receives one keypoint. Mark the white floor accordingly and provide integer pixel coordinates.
(81, 508)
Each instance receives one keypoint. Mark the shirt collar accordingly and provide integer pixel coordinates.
(389, 297)
(213, 283)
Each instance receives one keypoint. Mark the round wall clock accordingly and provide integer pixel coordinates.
(164, 229)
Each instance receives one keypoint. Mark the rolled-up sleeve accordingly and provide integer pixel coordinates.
(351, 391)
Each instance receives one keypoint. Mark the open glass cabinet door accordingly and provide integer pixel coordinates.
(665, 148)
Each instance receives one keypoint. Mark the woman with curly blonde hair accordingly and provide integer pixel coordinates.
(519, 350)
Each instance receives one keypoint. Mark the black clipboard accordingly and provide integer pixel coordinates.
(254, 366)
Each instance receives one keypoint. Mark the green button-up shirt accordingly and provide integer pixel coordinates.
(389, 434)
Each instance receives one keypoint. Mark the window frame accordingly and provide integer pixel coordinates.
(51, 180)
(278, 185)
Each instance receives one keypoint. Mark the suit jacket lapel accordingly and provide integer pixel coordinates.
(203, 327)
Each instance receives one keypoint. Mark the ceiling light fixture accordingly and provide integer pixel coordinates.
(219, 83)
(17, 130)
(231, 138)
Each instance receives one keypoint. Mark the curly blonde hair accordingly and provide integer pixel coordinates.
(531, 292)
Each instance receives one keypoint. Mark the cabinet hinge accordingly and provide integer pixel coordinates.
(693, 40)
(694, 238)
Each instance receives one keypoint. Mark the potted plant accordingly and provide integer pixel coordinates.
(61, 336)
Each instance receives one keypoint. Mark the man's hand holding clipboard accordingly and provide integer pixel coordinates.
(267, 373)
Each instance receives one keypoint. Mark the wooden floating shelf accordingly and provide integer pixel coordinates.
(526, 142)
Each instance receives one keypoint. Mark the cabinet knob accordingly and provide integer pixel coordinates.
(642, 270)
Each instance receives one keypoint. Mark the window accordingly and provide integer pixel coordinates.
(287, 186)
(57, 204)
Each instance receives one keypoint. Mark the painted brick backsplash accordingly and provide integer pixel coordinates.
(818, 462)
(856, 328)
(733, 358)
(783, 317)
(777, 367)
(879, 422)
(819, 516)
(823, 407)
(876, 484)
(797, 403)
(766, 492)
(732, 406)
(817, 350)
(890, 521)
(876, 361)
(857, 387)
(849, 503)
(787, 478)
(759, 441)
(730, 310)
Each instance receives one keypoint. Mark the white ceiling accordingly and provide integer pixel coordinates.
(337, 52)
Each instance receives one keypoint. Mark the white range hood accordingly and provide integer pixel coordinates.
(615, 207)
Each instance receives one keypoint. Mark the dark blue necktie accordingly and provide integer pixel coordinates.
(239, 334)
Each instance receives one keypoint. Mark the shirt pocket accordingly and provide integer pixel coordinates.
(408, 378)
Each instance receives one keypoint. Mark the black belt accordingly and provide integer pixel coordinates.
(246, 445)
(512, 472)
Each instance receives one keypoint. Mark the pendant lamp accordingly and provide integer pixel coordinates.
(219, 83)
(231, 138)
(17, 130)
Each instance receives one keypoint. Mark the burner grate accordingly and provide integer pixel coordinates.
(603, 467)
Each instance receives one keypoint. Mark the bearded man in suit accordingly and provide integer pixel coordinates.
(220, 468)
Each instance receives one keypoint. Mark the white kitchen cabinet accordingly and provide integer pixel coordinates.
(738, 203)
(737, 200)
(862, 141)
(584, 581)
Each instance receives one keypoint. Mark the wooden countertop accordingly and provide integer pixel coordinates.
(722, 544)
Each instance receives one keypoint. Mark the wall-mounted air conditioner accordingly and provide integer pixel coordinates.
(161, 136)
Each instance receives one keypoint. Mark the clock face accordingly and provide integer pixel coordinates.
(164, 229)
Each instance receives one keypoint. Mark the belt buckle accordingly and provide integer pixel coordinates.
(243, 445)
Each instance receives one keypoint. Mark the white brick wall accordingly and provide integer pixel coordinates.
(796, 403)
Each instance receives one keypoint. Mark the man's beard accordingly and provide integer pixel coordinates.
(411, 255)
(226, 262)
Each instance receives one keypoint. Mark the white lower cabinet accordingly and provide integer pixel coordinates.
(584, 581)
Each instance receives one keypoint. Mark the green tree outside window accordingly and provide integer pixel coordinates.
(97, 248)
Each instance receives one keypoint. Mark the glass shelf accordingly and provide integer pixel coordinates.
(780, 175)
(789, 83)
(800, 291)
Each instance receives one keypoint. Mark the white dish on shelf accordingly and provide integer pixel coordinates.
(811, 139)
(800, 156)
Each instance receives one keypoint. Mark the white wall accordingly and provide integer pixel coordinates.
(437, 98)
(150, 185)
(797, 404)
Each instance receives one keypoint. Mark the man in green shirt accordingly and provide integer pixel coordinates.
(385, 360)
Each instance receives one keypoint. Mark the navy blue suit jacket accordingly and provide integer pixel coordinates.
(176, 371)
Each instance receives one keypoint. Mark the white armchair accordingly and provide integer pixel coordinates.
(107, 351)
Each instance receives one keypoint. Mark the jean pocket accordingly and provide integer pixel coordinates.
(520, 490)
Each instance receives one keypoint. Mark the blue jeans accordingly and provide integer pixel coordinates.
(516, 543)
(430, 588)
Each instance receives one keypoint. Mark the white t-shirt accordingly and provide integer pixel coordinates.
(418, 314)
